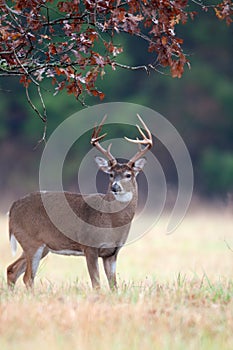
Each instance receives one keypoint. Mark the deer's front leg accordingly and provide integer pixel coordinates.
(110, 270)
(93, 266)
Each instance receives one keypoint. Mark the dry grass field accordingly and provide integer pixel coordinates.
(175, 292)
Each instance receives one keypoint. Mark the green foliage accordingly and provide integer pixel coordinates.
(216, 169)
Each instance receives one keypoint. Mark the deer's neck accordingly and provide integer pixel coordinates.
(123, 202)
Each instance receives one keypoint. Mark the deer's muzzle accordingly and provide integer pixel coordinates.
(116, 188)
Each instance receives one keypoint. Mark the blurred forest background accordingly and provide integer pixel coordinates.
(200, 106)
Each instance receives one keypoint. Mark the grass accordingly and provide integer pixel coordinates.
(175, 292)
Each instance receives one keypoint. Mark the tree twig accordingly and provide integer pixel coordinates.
(43, 138)
(125, 66)
(33, 106)
(227, 244)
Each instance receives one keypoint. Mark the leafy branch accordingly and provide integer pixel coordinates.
(72, 42)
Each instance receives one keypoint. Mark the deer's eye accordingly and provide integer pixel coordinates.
(111, 175)
(128, 176)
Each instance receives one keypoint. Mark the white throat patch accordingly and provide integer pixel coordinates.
(123, 197)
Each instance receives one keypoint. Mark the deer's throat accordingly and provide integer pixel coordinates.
(123, 197)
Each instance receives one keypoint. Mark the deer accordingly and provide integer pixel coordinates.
(32, 228)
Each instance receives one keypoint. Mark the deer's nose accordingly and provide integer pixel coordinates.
(115, 187)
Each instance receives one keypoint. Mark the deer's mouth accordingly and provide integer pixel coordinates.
(123, 196)
(120, 194)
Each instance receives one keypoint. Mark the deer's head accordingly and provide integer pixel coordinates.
(122, 176)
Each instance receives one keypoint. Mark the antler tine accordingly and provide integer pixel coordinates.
(109, 147)
(139, 145)
(95, 138)
(145, 126)
(101, 124)
(147, 140)
(97, 131)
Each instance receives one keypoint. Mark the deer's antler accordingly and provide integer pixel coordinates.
(147, 140)
(95, 138)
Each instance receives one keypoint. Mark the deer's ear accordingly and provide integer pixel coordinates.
(139, 164)
(102, 164)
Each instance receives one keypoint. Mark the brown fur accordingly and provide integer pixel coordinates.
(33, 229)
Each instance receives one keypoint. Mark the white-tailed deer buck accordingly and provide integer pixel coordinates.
(30, 225)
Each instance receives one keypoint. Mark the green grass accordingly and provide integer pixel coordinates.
(175, 292)
(183, 314)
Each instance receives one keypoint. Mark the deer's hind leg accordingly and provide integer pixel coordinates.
(15, 270)
(20, 266)
(32, 263)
